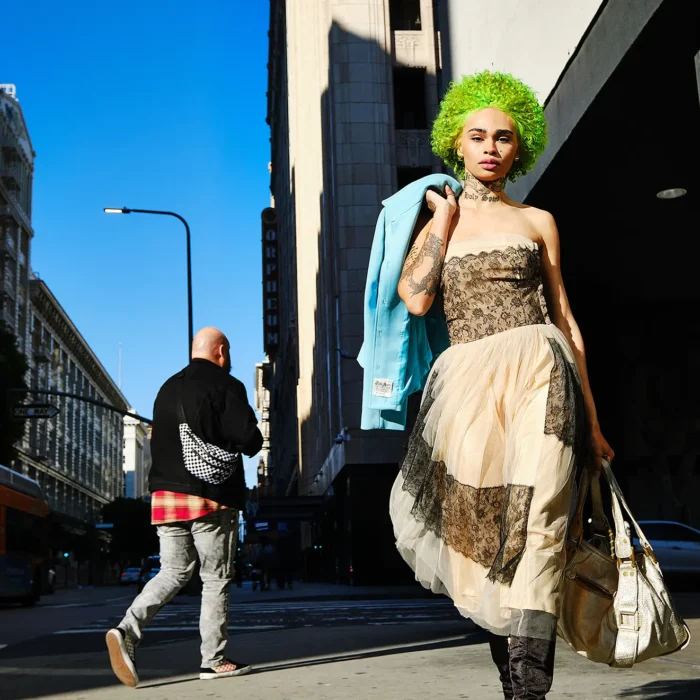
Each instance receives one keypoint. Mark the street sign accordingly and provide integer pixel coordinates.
(35, 410)
(104, 526)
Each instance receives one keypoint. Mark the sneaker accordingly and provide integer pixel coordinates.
(227, 669)
(122, 651)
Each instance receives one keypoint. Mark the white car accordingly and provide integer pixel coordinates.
(676, 546)
(130, 575)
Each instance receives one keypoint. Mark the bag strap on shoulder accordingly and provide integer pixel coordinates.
(179, 392)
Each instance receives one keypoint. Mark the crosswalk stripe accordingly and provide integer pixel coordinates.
(293, 614)
(179, 628)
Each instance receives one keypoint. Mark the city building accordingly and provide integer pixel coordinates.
(147, 461)
(262, 407)
(76, 456)
(16, 233)
(353, 88)
(135, 456)
(620, 85)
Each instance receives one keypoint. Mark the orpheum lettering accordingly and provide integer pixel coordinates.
(270, 282)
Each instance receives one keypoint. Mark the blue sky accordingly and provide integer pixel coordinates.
(152, 105)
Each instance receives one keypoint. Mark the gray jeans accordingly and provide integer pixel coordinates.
(213, 538)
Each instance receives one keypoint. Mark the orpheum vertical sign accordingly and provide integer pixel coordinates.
(271, 319)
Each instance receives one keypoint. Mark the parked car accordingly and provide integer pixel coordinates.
(130, 575)
(676, 546)
(152, 566)
(148, 571)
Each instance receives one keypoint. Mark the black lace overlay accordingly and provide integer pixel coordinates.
(513, 532)
(488, 525)
(566, 413)
(492, 291)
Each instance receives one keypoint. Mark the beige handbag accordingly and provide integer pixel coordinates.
(615, 606)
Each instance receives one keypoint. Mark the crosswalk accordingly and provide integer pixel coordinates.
(183, 617)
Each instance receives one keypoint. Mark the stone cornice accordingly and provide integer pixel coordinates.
(44, 301)
(19, 131)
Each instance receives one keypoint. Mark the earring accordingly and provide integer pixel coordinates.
(517, 157)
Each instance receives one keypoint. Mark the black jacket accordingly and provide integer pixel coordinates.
(217, 411)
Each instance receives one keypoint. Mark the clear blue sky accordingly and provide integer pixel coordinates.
(153, 105)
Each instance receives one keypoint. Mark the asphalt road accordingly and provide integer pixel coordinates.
(374, 649)
(80, 627)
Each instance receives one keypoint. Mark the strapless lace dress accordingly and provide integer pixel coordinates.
(481, 504)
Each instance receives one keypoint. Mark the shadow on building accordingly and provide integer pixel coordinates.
(352, 540)
(628, 258)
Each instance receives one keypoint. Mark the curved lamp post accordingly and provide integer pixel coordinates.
(125, 210)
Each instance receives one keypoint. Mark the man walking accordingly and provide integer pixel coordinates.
(202, 422)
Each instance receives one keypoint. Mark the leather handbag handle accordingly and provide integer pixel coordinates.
(576, 527)
(623, 541)
(601, 524)
(600, 521)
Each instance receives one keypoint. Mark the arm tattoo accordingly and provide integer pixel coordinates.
(429, 284)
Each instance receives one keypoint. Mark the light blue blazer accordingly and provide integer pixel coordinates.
(398, 348)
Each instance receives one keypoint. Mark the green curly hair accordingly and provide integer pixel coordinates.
(501, 91)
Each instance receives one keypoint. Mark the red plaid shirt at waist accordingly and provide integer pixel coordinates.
(170, 507)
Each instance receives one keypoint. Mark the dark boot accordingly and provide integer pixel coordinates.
(499, 654)
(531, 667)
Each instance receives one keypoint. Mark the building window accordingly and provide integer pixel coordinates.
(410, 111)
(405, 176)
(405, 15)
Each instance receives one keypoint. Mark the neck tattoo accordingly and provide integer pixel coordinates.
(479, 191)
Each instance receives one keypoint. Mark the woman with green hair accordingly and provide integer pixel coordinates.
(481, 504)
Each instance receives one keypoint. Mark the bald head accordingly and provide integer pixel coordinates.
(211, 344)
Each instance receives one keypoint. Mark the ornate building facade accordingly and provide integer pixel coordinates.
(76, 456)
(16, 233)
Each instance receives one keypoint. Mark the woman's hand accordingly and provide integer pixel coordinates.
(599, 450)
(438, 204)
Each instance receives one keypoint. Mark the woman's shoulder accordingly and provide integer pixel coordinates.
(538, 222)
(540, 219)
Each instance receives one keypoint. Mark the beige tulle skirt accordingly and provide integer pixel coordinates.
(481, 505)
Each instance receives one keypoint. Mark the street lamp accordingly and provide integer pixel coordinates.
(125, 210)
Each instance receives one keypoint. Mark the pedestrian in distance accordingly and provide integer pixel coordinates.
(266, 563)
(202, 423)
